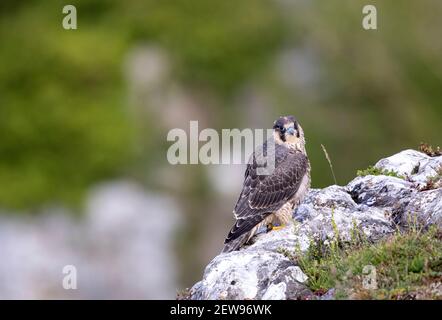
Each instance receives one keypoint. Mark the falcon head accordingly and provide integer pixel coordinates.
(286, 130)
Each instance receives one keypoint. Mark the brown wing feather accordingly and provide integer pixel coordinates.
(263, 194)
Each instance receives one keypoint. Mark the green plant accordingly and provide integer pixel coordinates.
(406, 264)
(430, 150)
(374, 171)
(435, 181)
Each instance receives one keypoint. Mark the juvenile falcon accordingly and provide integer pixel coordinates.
(268, 199)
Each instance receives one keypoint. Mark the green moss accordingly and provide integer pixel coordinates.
(406, 264)
(371, 170)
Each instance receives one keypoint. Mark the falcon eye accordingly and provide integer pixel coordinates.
(282, 129)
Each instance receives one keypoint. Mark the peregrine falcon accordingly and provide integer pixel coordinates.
(268, 200)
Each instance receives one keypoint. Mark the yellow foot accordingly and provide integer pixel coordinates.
(270, 227)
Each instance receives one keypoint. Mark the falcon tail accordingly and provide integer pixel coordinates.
(236, 243)
(243, 230)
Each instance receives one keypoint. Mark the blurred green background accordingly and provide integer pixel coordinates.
(72, 115)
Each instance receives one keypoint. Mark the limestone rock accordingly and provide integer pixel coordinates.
(374, 205)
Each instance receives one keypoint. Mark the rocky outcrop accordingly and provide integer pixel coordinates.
(373, 204)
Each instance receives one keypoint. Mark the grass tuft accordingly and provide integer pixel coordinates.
(329, 163)
(407, 265)
(183, 294)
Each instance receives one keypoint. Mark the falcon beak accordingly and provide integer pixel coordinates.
(291, 131)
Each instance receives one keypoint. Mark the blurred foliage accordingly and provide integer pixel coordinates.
(377, 91)
(65, 115)
(63, 118)
(61, 122)
(216, 44)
